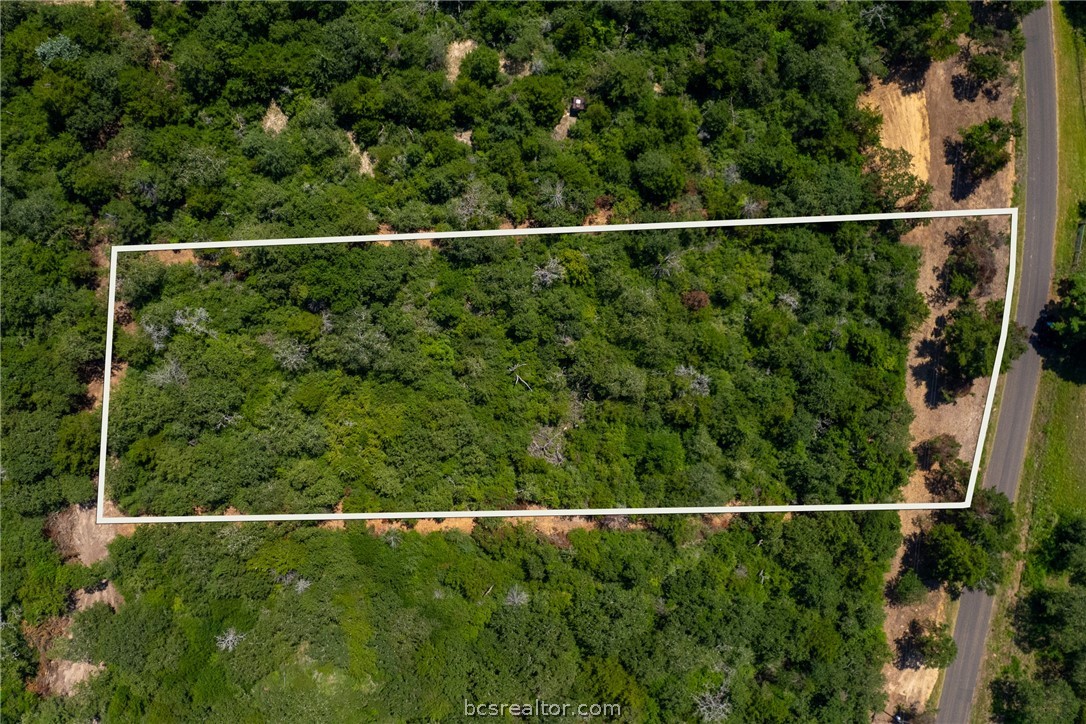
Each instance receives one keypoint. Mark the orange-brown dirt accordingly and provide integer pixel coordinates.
(78, 537)
(174, 256)
(55, 677)
(920, 121)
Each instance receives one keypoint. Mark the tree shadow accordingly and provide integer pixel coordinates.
(909, 74)
(928, 371)
(966, 88)
(1068, 364)
(964, 181)
(907, 654)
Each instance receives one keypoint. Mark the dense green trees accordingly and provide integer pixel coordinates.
(485, 374)
(967, 548)
(409, 626)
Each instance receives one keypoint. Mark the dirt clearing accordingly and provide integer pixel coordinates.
(454, 56)
(561, 131)
(905, 122)
(922, 123)
(78, 537)
(365, 163)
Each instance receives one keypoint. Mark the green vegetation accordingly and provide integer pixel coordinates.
(1050, 623)
(972, 337)
(984, 146)
(150, 122)
(664, 369)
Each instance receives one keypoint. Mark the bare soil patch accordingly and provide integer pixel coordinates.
(454, 56)
(561, 131)
(464, 137)
(109, 595)
(905, 122)
(424, 243)
(909, 686)
(96, 386)
(56, 677)
(365, 163)
(275, 121)
(77, 536)
(174, 256)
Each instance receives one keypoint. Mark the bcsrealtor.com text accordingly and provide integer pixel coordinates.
(541, 708)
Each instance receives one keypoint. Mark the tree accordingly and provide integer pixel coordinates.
(955, 560)
(971, 263)
(1067, 320)
(482, 65)
(987, 67)
(908, 589)
(984, 146)
(971, 338)
(937, 646)
(926, 644)
(660, 178)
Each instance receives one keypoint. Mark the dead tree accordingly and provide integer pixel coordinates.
(517, 379)
(229, 639)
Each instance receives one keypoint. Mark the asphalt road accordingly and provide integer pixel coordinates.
(1008, 451)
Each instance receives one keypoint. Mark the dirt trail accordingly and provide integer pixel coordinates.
(921, 122)
(365, 163)
(561, 131)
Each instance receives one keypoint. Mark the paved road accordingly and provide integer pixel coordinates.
(1020, 387)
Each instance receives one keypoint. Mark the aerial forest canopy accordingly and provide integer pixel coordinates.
(599, 370)
(758, 365)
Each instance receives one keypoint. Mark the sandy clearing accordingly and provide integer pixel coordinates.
(454, 56)
(275, 121)
(387, 229)
(56, 677)
(77, 536)
(905, 122)
(463, 137)
(561, 131)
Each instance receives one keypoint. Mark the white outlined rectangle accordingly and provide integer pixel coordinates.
(687, 510)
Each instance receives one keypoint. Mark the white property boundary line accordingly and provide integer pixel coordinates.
(735, 509)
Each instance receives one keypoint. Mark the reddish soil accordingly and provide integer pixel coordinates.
(77, 536)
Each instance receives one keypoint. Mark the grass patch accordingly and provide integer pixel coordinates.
(1057, 448)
